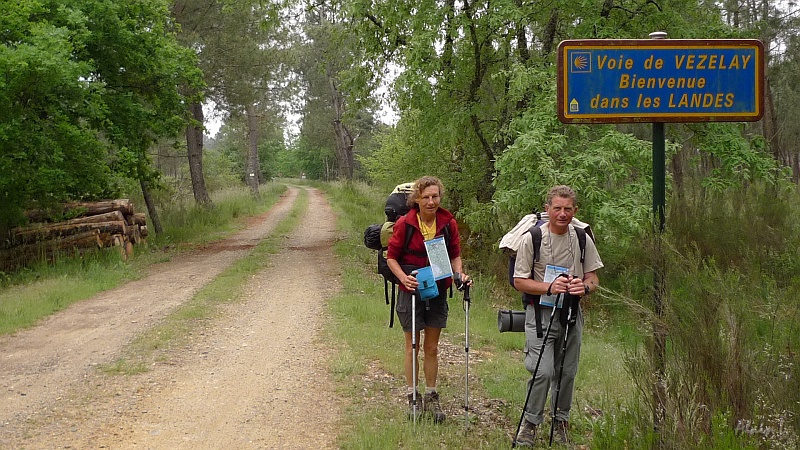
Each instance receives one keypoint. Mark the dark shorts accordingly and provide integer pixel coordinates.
(432, 313)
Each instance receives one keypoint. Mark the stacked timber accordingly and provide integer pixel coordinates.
(91, 225)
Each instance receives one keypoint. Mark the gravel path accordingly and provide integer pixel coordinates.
(254, 377)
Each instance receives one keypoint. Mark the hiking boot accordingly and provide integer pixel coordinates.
(431, 404)
(562, 431)
(411, 409)
(526, 435)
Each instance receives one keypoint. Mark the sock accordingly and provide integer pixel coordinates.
(430, 390)
(410, 389)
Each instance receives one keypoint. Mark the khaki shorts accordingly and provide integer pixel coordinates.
(431, 313)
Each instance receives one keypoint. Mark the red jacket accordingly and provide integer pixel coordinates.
(416, 254)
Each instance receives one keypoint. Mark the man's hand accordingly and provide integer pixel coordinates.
(576, 287)
(560, 285)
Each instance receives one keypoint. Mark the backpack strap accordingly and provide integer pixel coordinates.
(536, 235)
(391, 309)
(581, 242)
(392, 300)
(528, 299)
(409, 235)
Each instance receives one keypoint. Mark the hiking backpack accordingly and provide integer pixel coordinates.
(532, 223)
(376, 237)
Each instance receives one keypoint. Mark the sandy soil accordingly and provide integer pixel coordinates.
(255, 377)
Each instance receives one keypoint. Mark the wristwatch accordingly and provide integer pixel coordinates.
(586, 288)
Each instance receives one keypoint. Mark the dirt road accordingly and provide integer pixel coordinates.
(256, 377)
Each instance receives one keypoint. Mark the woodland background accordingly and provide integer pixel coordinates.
(104, 99)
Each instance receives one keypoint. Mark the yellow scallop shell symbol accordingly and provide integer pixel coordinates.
(580, 62)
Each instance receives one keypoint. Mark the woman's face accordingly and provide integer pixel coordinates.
(428, 200)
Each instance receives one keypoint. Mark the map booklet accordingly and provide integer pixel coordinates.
(438, 257)
(550, 274)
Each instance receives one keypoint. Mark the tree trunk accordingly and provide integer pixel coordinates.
(30, 235)
(772, 134)
(151, 207)
(344, 140)
(20, 256)
(344, 150)
(450, 30)
(80, 209)
(137, 219)
(113, 216)
(252, 167)
(549, 38)
(522, 37)
(194, 147)
(479, 70)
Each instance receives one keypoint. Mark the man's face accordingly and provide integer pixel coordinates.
(561, 211)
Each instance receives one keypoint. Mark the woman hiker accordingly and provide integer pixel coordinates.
(426, 220)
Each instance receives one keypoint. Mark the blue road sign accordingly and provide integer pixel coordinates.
(660, 80)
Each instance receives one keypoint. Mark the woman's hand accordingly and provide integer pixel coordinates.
(461, 280)
(410, 282)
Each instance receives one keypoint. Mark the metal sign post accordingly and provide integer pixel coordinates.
(659, 217)
(660, 80)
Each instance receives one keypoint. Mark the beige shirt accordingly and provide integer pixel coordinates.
(560, 250)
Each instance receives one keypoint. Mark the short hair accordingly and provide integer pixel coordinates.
(420, 185)
(562, 191)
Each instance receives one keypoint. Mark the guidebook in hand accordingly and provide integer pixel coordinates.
(550, 274)
(439, 258)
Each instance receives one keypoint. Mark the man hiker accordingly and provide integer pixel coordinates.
(557, 275)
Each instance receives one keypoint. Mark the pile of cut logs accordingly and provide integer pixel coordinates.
(92, 225)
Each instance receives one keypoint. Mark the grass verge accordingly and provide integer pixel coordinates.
(606, 411)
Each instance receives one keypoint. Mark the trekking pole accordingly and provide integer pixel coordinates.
(533, 377)
(561, 371)
(465, 287)
(414, 354)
